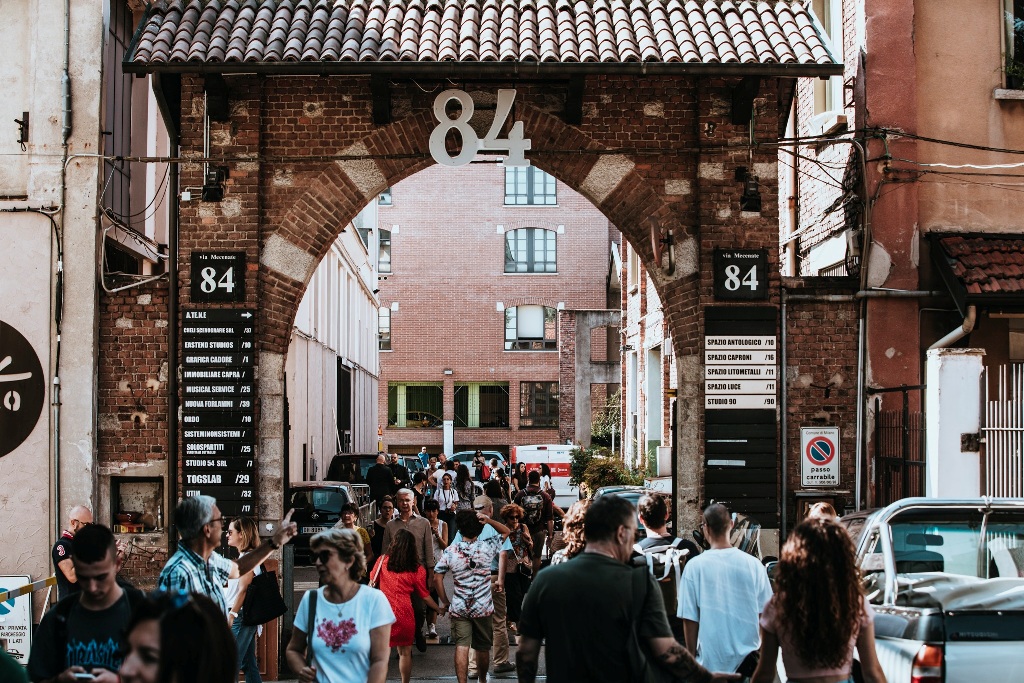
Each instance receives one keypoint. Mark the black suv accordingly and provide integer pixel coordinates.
(317, 507)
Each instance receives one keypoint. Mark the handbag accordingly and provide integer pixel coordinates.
(644, 670)
(263, 601)
(375, 579)
(524, 564)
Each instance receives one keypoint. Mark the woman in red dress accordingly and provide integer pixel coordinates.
(398, 574)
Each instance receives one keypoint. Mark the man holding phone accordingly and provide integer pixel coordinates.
(79, 639)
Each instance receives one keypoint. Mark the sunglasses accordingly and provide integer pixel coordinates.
(323, 556)
(514, 517)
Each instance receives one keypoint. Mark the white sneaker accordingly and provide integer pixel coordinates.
(432, 632)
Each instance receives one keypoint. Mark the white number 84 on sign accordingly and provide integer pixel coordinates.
(515, 144)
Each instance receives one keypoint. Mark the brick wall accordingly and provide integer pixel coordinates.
(822, 358)
(132, 401)
(304, 157)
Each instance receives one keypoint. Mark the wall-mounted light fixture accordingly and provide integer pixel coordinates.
(750, 200)
(449, 371)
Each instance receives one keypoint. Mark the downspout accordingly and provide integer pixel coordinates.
(785, 422)
(959, 333)
(173, 220)
(65, 137)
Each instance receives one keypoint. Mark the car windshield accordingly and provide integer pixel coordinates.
(326, 502)
(963, 543)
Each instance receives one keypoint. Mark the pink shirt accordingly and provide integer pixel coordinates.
(796, 667)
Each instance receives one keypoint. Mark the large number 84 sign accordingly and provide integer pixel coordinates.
(515, 144)
(741, 274)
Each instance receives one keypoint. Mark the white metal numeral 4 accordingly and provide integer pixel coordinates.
(516, 144)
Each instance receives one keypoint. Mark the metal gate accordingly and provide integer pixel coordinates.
(1003, 431)
(899, 445)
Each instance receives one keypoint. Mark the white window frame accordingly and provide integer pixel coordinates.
(829, 108)
(530, 265)
(514, 342)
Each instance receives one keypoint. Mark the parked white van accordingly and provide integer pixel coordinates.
(558, 458)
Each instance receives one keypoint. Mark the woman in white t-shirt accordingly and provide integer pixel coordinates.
(545, 480)
(243, 535)
(346, 640)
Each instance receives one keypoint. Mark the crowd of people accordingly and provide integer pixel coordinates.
(599, 616)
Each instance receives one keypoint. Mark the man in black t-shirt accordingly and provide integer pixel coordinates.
(380, 479)
(63, 568)
(400, 473)
(82, 633)
(585, 626)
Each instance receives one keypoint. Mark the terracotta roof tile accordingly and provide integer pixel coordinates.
(986, 264)
(218, 32)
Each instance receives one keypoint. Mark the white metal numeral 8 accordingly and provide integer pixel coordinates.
(515, 143)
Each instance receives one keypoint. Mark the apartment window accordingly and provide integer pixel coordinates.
(384, 252)
(525, 185)
(479, 405)
(828, 94)
(384, 328)
(384, 198)
(530, 250)
(1013, 12)
(415, 405)
(538, 404)
(530, 328)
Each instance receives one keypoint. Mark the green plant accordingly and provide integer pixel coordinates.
(579, 459)
(609, 471)
(607, 421)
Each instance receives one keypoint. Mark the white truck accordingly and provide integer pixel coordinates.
(945, 580)
(557, 457)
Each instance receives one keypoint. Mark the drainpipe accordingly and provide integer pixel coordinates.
(173, 219)
(785, 421)
(959, 333)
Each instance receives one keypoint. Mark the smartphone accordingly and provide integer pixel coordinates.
(84, 677)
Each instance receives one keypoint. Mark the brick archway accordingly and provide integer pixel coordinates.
(291, 249)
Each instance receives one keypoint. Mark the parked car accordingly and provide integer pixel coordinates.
(630, 493)
(317, 507)
(944, 577)
(417, 419)
(466, 458)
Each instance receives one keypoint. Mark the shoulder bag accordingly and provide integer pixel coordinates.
(310, 623)
(375, 579)
(263, 601)
(645, 671)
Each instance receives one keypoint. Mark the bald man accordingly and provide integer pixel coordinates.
(67, 582)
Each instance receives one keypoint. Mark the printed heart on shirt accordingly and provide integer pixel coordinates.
(336, 635)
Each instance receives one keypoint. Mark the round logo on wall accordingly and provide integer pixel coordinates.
(22, 388)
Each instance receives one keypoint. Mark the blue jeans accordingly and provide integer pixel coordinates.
(245, 639)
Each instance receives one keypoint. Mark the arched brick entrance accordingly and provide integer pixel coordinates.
(314, 129)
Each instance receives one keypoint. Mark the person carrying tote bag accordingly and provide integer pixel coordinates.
(243, 535)
(341, 630)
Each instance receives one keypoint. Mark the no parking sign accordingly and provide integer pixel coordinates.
(819, 456)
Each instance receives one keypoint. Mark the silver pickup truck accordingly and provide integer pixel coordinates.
(945, 580)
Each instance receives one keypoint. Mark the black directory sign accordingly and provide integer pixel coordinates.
(741, 274)
(218, 276)
(218, 390)
(218, 406)
(740, 409)
(22, 388)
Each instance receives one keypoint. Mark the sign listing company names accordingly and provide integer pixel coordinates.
(739, 372)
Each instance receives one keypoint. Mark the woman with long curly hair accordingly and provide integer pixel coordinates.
(399, 574)
(572, 540)
(819, 612)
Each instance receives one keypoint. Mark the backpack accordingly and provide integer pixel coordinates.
(665, 563)
(62, 610)
(532, 503)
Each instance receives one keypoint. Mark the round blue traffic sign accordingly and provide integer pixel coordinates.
(6, 607)
(821, 450)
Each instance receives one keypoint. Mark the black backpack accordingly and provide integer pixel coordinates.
(532, 503)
